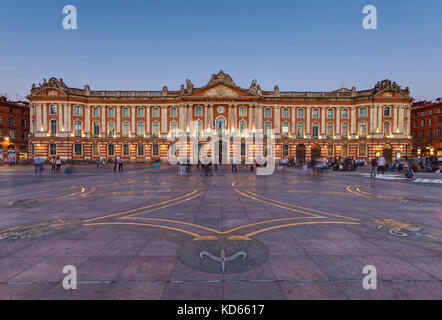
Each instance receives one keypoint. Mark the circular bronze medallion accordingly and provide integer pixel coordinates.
(223, 255)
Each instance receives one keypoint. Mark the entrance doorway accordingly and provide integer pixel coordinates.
(316, 151)
(221, 152)
(388, 152)
(300, 153)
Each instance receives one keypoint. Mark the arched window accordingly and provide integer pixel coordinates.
(126, 128)
(285, 113)
(53, 126)
(285, 128)
(267, 129)
(78, 127)
(111, 128)
(300, 113)
(330, 129)
(173, 127)
(362, 112)
(220, 125)
(173, 112)
(329, 113)
(243, 112)
(155, 112)
(242, 127)
(140, 129)
(126, 112)
(345, 113)
(300, 131)
(362, 131)
(96, 128)
(315, 113)
(140, 112)
(267, 112)
(155, 129)
(387, 112)
(198, 111)
(78, 110)
(315, 129)
(96, 112)
(199, 127)
(344, 132)
(111, 112)
(387, 128)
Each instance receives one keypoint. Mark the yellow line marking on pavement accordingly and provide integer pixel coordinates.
(296, 224)
(162, 207)
(276, 205)
(82, 191)
(141, 208)
(142, 224)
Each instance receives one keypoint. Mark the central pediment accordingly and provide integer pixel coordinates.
(220, 90)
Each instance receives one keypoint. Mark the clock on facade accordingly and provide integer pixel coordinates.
(220, 109)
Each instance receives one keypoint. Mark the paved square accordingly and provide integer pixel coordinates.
(146, 235)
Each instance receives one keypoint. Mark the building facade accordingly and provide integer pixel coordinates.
(14, 129)
(141, 126)
(426, 128)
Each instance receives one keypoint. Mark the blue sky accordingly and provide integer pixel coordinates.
(299, 45)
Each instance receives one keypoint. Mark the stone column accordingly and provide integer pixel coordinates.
(338, 121)
(38, 113)
(60, 127)
(87, 119)
(260, 117)
(45, 118)
(164, 120)
(293, 126)
(148, 125)
(353, 121)
(103, 120)
(118, 124)
(307, 120)
(133, 122)
(277, 120)
(323, 115)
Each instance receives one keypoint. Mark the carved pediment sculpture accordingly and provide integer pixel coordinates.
(52, 83)
(221, 91)
(221, 77)
(276, 92)
(189, 86)
(165, 90)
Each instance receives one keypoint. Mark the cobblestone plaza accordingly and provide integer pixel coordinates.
(146, 235)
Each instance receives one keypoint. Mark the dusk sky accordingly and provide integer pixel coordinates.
(299, 45)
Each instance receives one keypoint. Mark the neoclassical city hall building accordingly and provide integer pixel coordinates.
(141, 126)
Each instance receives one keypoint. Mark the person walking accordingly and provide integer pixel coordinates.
(97, 162)
(58, 163)
(284, 163)
(374, 168)
(120, 164)
(38, 165)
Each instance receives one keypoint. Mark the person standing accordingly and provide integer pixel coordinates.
(120, 164)
(234, 165)
(53, 165)
(374, 168)
(98, 162)
(115, 163)
(381, 163)
(58, 163)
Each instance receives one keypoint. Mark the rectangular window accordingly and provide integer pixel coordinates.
(155, 150)
(198, 111)
(78, 149)
(242, 112)
(430, 134)
(53, 109)
(52, 149)
(300, 113)
(141, 150)
(438, 132)
(285, 150)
